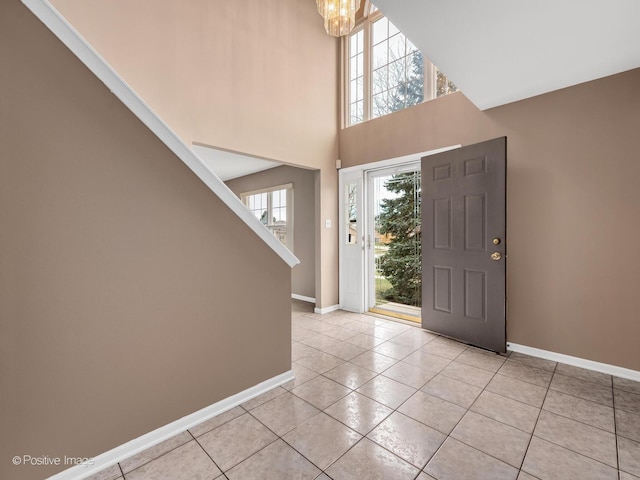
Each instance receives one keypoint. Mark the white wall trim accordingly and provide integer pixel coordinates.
(302, 298)
(576, 361)
(414, 157)
(324, 310)
(59, 26)
(161, 434)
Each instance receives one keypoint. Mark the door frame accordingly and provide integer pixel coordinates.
(361, 172)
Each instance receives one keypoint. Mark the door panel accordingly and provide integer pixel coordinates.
(351, 242)
(464, 210)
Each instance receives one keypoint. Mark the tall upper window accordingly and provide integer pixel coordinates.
(386, 72)
(274, 208)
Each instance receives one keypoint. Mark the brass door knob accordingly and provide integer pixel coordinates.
(496, 256)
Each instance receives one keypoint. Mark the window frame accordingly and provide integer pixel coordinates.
(365, 25)
(288, 187)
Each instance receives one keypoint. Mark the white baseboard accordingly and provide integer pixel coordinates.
(295, 296)
(161, 434)
(576, 361)
(324, 310)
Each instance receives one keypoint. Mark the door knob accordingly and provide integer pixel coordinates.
(496, 256)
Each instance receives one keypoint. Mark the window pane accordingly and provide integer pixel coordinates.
(353, 72)
(357, 113)
(354, 44)
(397, 71)
(351, 213)
(396, 47)
(379, 55)
(379, 81)
(380, 30)
(393, 29)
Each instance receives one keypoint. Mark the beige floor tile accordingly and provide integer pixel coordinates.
(216, 421)
(154, 452)
(443, 347)
(409, 439)
(537, 376)
(579, 409)
(516, 414)
(265, 397)
(110, 473)
(580, 388)
(456, 461)
(534, 361)
(517, 390)
(367, 460)
(350, 375)
(628, 425)
(480, 359)
(627, 401)
(420, 358)
(358, 412)
(278, 461)
(415, 338)
(364, 340)
(344, 350)
(548, 461)
(317, 340)
(579, 437)
(584, 374)
(452, 390)
(320, 362)
(525, 476)
(322, 439)
(374, 361)
(394, 350)
(300, 350)
(383, 333)
(626, 385)
(433, 411)
(341, 333)
(386, 391)
(187, 462)
(629, 455)
(236, 440)
(284, 412)
(493, 438)
(627, 476)
(424, 476)
(321, 392)
(409, 374)
(468, 374)
(301, 374)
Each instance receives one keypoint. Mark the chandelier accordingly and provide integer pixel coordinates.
(339, 15)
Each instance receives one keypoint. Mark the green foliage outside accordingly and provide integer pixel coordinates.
(399, 219)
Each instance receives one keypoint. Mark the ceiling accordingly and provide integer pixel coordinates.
(501, 51)
(230, 165)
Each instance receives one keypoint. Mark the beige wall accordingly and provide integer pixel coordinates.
(303, 281)
(255, 77)
(573, 206)
(122, 277)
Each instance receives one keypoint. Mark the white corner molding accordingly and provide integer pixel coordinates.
(59, 26)
(302, 298)
(324, 310)
(161, 434)
(576, 361)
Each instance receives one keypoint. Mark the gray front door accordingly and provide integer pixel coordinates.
(464, 244)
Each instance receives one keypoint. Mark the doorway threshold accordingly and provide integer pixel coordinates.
(397, 310)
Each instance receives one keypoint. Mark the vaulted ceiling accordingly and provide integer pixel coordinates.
(501, 51)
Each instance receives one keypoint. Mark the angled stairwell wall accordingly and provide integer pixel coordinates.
(130, 294)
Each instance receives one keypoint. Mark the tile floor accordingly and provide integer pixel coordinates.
(379, 399)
